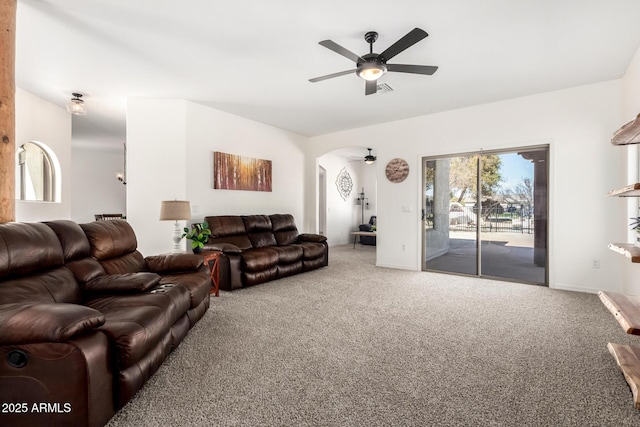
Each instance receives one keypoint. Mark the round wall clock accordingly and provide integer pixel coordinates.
(397, 170)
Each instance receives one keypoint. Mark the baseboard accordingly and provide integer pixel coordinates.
(397, 267)
(565, 287)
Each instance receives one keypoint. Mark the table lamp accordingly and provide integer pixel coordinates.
(175, 210)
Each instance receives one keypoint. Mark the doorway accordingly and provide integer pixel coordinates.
(322, 201)
(485, 214)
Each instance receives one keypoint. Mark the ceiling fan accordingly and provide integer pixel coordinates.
(372, 66)
(370, 158)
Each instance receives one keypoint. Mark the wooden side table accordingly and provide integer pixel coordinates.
(212, 261)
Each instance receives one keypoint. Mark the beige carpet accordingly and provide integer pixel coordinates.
(356, 345)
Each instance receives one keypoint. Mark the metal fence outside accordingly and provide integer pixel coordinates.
(513, 219)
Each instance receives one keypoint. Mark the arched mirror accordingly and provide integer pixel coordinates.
(37, 173)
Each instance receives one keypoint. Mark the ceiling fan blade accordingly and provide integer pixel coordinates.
(340, 50)
(330, 76)
(411, 38)
(415, 69)
(371, 87)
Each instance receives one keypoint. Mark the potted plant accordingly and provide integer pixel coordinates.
(199, 235)
(635, 225)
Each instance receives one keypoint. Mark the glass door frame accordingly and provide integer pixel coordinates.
(478, 231)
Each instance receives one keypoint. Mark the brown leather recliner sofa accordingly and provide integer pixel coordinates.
(85, 319)
(259, 248)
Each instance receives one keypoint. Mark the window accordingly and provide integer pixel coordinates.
(37, 173)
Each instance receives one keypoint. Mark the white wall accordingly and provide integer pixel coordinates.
(577, 124)
(170, 145)
(94, 187)
(210, 130)
(156, 168)
(39, 120)
(630, 109)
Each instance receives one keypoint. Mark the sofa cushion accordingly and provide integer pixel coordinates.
(54, 322)
(284, 229)
(133, 327)
(173, 263)
(132, 262)
(228, 229)
(57, 285)
(288, 254)
(259, 259)
(312, 250)
(26, 248)
(123, 283)
(258, 228)
(109, 239)
(75, 244)
(198, 283)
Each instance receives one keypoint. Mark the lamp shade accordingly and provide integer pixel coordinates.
(177, 210)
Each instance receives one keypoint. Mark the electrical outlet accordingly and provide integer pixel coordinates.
(404, 247)
(595, 263)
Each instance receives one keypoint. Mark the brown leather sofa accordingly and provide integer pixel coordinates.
(85, 319)
(259, 248)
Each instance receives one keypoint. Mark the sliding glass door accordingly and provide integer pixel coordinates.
(485, 214)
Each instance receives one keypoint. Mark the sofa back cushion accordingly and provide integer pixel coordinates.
(31, 266)
(259, 230)
(284, 229)
(114, 244)
(228, 229)
(76, 250)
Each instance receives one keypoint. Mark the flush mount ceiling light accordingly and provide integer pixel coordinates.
(369, 158)
(76, 105)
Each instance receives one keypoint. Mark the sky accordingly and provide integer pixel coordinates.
(514, 169)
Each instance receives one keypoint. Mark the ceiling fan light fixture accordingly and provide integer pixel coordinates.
(371, 70)
(76, 105)
(369, 158)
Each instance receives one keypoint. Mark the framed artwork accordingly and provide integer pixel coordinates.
(344, 184)
(231, 172)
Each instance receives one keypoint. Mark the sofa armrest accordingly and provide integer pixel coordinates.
(53, 322)
(173, 263)
(123, 283)
(227, 248)
(307, 237)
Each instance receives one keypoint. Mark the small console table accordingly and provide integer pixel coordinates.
(626, 310)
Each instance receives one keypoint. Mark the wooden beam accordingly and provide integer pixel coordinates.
(7, 110)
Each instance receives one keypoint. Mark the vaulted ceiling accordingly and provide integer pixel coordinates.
(254, 58)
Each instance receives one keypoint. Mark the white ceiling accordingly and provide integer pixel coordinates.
(253, 58)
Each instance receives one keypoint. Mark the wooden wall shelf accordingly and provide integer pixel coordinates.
(632, 190)
(626, 310)
(627, 249)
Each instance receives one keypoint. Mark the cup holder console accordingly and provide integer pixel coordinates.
(17, 359)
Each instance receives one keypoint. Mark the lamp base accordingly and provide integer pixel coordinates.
(177, 240)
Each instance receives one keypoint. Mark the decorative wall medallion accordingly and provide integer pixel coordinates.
(344, 183)
(397, 170)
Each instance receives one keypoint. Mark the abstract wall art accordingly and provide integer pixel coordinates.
(231, 172)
